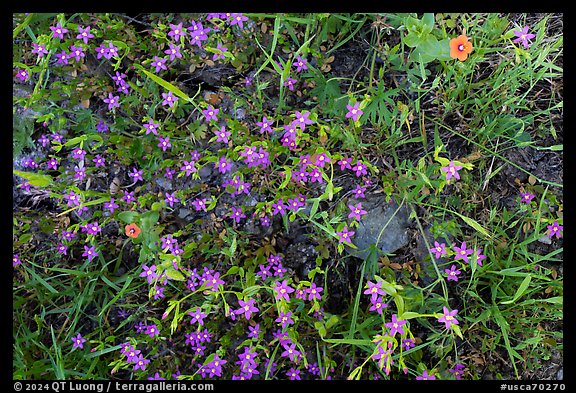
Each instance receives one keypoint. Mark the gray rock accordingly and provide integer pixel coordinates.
(183, 213)
(164, 183)
(560, 374)
(385, 226)
(205, 172)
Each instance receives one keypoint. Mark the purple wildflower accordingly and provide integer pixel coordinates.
(173, 51)
(555, 230)
(344, 235)
(169, 99)
(112, 101)
(448, 317)
(526, 197)
(356, 211)
(282, 290)
(170, 199)
(425, 376)
(354, 112)
(84, 34)
(395, 325)
(177, 31)
(524, 37)
(462, 252)
(78, 341)
(452, 273)
(246, 308)
(300, 64)
(451, 171)
(90, 252)
(237, 214)
(222, 135)
(164, 143)
(58, 31)
(149, 273)
(439, 249)
(159, 63)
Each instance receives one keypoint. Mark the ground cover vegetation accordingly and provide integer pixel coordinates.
(194, 194)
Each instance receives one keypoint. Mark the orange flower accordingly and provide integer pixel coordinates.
(460, 48)
(132, 230)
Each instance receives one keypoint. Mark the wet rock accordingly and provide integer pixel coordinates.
(385, 226)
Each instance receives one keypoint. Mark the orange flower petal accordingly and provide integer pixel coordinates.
(460, 47)
(132, 230)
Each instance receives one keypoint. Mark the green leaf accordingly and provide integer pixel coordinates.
(287, 177)
(412, 40)
(457, 330)
(409, 315)
(128, 217)
(165, 84)
(427, 22)
(35, 179)
(314, 207)
(174, 274)
(149, 219)
(474, 224)
(520, 291)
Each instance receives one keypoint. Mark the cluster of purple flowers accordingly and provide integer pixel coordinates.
(376, 293)
(107, 51)
(383, 354)
(134, 356)
(238, 186)
(195, 279)
(197, 33)
(253, 158)
(273, 268)
(170, 244)
(212, 368)
(292, 204)
(462, 252)
(119, 80)
(30, 163)
(247, 363)
(66, 238)
(159, 281)
(291, 136)
(311, 293)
